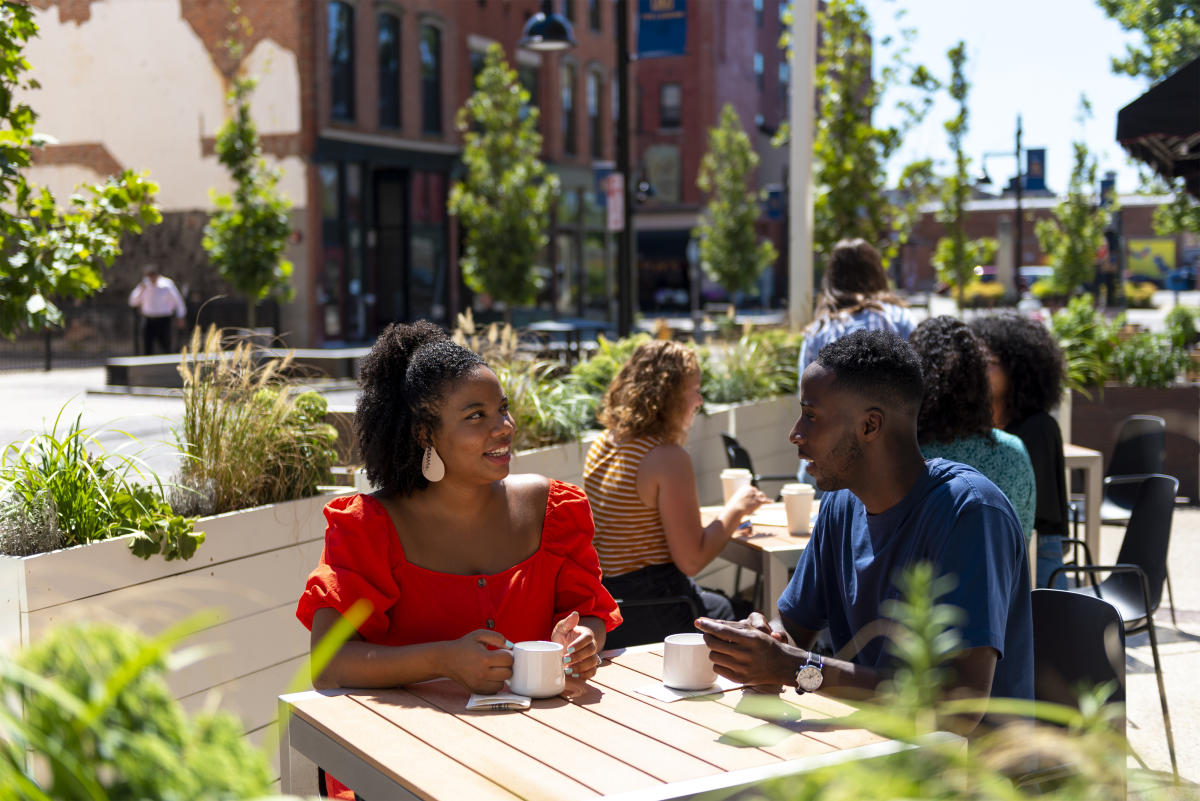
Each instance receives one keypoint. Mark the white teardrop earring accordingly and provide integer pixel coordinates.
(432, 467)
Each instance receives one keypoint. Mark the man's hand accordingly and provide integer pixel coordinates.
(746, 653)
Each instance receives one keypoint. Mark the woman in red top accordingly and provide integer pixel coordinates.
(456, 558)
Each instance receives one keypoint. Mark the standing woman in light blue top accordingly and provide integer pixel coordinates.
(955, 421)
(854, 297)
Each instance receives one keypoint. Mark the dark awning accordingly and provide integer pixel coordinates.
(1162, 127)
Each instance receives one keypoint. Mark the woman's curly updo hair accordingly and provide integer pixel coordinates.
(403, 380)
(646, 397)
(854, 280)
(957, 402)
(1031, 358)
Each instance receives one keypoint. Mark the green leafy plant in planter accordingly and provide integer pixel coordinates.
(101, 725)
(54, 493)
(247, 436)
(592, 377)
(754, 367)
(1088, 342)
(1149, 360)
(1180, 323)
(1139, 294)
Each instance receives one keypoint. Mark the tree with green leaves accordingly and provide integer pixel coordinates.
(504, 201)
(850, 152)
(51, 252)
(731, 252)
(955, 256)
(1074, 234)
(247, 235)
(1170, 32)
(1181, 215)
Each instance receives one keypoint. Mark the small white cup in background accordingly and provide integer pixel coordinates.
(797, 503)
(686, 664)
(733, 479)
(537, 669)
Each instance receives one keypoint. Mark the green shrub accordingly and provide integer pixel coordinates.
(980, 293)
(103, 726)
(248, 439)
(1087, 340)
(1149, 360)
(545, 409)
(758, 365)
(55, 494)
(1139, 294)
(1181, 326)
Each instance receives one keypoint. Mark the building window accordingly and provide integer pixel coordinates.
(569, 10)
(594, 15)
(389, 71)
(341, 60)
(758, 71)
(669, 97)
(431, 80)
(478, 60)
(527, 75)
(785, 77)
(568, 109)
(593, 107)
(758, 13)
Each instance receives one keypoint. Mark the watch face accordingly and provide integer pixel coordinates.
(809, 678)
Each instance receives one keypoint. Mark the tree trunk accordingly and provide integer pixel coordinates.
(250, 318)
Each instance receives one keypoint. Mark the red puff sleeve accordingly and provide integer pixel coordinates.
(356, 563)
(567, 533)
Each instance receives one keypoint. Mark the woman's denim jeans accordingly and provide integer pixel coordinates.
(1049, 557)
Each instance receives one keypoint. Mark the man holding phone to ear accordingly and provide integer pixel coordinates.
(885, 509)
(158, 299)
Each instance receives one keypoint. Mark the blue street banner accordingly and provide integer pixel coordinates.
(1035, 171)
(661, 28)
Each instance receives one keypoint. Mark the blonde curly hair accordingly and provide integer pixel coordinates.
(645, 397)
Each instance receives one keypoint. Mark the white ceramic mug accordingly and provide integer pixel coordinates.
(686, 664)
(733, 479)
(797, 503)
(537, 669)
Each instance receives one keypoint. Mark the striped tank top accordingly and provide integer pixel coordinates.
(629, 534)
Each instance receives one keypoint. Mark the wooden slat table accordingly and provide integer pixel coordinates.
(767, 549)
(419, 742)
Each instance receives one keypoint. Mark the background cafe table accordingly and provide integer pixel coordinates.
(420, 742)
(765, 548)
(1091, 463)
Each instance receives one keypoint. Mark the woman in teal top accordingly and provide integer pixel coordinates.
(955, 421)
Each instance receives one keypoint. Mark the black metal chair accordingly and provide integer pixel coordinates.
(620, 639)
(739, 457)
(1134, 584)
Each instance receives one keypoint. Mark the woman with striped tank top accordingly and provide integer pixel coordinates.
(642, 488)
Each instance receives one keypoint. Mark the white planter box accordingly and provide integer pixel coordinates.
(251, 569)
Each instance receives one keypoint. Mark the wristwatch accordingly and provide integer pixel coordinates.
(809, 676)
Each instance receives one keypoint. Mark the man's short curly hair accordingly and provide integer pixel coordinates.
(645, 397)
(402, 380)
(957, 402)
(876, 365)
(1030, 357)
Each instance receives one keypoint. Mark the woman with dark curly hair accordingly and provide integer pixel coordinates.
(454, 558)
(955, 421)
(1026, 370)
(642, 487)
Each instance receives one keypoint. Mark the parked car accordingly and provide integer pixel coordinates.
(1032, 273)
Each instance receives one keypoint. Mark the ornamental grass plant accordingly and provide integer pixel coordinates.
(60, 490)
(248, 436)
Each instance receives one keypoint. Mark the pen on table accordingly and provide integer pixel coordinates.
(744, 524)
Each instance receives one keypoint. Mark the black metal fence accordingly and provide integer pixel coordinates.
(99, 329)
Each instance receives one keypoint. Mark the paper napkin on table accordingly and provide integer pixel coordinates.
(662, 692)
(497, 701)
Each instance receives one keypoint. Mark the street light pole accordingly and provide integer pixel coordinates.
(626, 285)
(1018, 254)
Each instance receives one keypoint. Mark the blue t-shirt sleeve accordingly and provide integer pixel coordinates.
(804, 602)
(982, 552)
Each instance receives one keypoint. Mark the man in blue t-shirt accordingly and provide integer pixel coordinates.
(885, 508)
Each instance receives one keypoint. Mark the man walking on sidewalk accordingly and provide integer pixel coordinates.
(158, 299)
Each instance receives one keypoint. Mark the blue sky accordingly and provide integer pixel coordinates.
(1032, 57)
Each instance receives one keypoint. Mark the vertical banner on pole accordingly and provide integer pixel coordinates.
(615, 197)
(1035, 173)
(661, 28)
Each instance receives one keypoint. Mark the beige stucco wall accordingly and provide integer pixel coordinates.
(136, 78)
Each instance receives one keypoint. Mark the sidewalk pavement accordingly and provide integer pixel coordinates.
(31, 401)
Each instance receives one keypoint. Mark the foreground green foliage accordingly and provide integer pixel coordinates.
(248, 439)
(1170, 32)
(102, 726)
(51, 252)
(731, 252)
(503, 202)
(55, 494)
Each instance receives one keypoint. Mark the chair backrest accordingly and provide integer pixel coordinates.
(1078, 641)
(736, 455)
(1140, 446)
(1148, 533)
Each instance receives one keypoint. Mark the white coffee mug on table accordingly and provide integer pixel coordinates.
(537, 669)
(686, 663)
(797, 503)
(733, 479)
